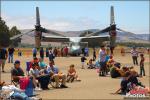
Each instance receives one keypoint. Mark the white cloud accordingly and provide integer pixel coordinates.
(60, 24)
(63, 24)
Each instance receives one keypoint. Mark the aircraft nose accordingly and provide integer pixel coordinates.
(75, 47)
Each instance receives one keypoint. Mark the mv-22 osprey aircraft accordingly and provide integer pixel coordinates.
(95, 38)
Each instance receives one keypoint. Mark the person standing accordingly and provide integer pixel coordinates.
(122, 51)
(19, 52)
(55, 52)
(47, 52)
(102, 57)
(34, 51)
(42, 53)
(51, 56)
(66, 51)
(142, 70)
(83, 51)
(134, 54)
(83, 61)
(3, 57)
(62, 52)
(10, 54)
(86, 51)
(94, 54)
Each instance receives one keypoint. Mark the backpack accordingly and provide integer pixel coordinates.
(29, 89)
(23, 82)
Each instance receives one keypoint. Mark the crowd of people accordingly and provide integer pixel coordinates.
(129, 76)
(57, 52)
(42, 74)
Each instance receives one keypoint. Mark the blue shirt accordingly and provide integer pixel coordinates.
(107, 58)
(42, 65)
(55, 69)
(34, 50)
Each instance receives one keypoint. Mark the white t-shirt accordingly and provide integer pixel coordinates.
(35, 72)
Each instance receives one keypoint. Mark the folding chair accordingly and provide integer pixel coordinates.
(28, 67)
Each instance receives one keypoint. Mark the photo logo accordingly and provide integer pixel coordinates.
(137, 93)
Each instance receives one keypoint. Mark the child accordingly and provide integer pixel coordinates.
(142, 70)
(110, 61)
(72, 74)
(90, 64)
(83, 60)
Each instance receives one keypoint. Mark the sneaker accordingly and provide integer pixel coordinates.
(63, 86)
(78, 80)
(38, 89)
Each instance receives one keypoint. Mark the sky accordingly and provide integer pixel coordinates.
(132, 16)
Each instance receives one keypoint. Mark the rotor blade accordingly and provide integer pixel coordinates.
(52, 32)
(107, 29)
(37, 17)
(124, 31)
(19, 35)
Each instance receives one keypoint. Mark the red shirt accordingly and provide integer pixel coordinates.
(142, 60)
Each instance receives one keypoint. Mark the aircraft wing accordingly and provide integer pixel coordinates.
(55, 39)
(95, 38)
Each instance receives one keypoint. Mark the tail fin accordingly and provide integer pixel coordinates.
(37, 17)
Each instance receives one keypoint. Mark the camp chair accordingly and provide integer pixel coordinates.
(28, 67)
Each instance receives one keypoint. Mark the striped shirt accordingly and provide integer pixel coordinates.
(102, 55)
(134, 53)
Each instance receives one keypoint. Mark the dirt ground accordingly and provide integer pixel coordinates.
(91, 87)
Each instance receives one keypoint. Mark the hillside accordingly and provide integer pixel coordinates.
(121, 36)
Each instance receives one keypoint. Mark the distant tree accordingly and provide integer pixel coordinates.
(4, 34)
(14, 31)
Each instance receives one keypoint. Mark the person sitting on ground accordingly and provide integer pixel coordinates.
(110, 63)
(124, 84)
(83, 61)
(72, 74)
(35, 60)
(115, 71)
(56, 75)
(90, 64)
(17, 73)
(39, 75)
(42, 64)
(128, 83)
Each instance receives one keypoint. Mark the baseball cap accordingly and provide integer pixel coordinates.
(17, 62)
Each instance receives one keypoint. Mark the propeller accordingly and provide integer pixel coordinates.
(124, 31)
(107, 29)
(20, 35)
